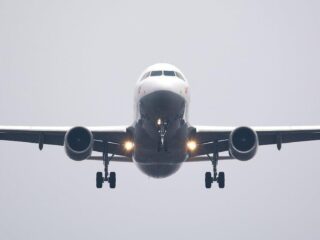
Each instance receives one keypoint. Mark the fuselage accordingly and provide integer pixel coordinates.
(161, 120)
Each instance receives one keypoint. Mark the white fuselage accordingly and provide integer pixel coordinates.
(161, 120)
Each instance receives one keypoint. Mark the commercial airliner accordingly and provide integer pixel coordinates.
(160, 138)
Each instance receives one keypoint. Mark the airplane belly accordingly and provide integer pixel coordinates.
(158, 165)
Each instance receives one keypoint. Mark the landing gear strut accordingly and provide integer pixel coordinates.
(162, 130)
(217, 177)
(111, 178)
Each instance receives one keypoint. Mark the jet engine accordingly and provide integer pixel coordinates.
(78, 143)
(243, 143)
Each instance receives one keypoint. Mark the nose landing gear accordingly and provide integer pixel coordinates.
(111, 178)
(162, 130)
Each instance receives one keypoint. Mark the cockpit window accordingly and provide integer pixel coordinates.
(145, 76)
(156, 73)
(169, 73)
(179, 75)
(160, 73)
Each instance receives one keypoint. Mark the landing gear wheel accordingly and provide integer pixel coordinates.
(99, 179)
(208, 179)
(221, 180)
(112, 180)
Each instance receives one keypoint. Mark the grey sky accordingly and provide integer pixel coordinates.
(76, 62)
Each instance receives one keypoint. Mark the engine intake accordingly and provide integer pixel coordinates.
(243, 143)
(78, 143)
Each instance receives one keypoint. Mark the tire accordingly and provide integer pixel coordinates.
(99, 180)
(221, 180)
(208, 180)
(112, 180)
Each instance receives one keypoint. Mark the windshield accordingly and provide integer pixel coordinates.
(160, 73)
(179, 75)
(156, 73)
(169, 73)
(145, 76)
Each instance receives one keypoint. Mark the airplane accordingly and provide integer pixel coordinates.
(161, 138)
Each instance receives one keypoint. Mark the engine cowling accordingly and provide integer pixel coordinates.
(78, 143)
(243, 143)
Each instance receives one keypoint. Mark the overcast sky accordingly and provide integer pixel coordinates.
(76, 63)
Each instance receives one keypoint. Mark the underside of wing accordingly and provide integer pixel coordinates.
(239, 141)
(95, 138)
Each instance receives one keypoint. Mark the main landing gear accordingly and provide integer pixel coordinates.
(217, 177)
(106, 177)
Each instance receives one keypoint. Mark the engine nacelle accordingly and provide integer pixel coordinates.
(243, 143)
(78, 143)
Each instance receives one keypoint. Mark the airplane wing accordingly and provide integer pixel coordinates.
(55, 136)
(217, 138)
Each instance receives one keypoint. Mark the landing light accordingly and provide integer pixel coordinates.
(192, 145)
(128, 146)
(159, 121)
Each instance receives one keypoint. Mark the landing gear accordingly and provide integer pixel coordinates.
(162, 130)
(217, 177)
(112, 179)
(100, 179)
(162, 144)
